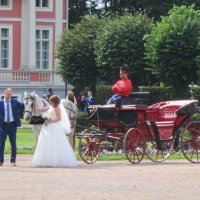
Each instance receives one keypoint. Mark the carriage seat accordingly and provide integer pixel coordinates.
(110, 113)
(165, 113)
(102, 112)
(137, 98)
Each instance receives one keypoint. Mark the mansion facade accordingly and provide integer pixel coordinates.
(29, 31)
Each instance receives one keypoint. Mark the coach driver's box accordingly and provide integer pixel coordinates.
(137, 98)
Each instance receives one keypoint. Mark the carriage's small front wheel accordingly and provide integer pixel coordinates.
(89, 147)
(134, 145)
(190, 141)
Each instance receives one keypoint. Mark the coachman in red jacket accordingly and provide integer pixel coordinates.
(122, 88)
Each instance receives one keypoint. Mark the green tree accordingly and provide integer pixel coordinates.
(153, 8)
(77, 9)
(75, 52)
(120, 42)
(172, 48)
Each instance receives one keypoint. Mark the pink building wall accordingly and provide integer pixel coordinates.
(40, 14)
(14, 19)
(54, 42)
(15, 12)
(16, 44)
(16, 54)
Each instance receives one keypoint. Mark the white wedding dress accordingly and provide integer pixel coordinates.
(53, 148)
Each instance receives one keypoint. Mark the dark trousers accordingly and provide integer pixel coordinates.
(10, 130)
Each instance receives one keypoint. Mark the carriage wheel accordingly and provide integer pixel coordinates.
(89, 147)
(156, 155)
(134, 145)
(190, 141)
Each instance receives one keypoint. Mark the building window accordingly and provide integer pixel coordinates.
(42, 3)
(4, 47)
(6, 4)
(43, 49)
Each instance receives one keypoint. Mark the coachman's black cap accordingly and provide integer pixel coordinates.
(124, 69)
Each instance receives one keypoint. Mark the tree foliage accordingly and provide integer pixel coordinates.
(120, 42)
(77, 9)
(172, 48)
(75, 52)
(153, 8)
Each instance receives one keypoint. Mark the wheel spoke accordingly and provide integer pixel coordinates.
(157, 155)
(134, 145)
(89, 147)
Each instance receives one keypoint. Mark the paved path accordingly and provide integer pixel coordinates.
(104, 180)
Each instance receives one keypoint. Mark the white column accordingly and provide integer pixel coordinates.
(67, 14)
(59, 19)
(58, 32)
(28, 34)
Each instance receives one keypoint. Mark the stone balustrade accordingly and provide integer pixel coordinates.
(13, 76)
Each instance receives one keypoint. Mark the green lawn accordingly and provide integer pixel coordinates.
(24, 122)
(25, 145)
(25, 142)
(26, 139)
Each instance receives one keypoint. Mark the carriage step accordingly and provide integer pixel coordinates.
(89, 135)
(156, 134)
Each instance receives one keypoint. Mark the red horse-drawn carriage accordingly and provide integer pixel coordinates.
(139, 130)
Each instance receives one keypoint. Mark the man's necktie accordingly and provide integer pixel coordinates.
(8, 112)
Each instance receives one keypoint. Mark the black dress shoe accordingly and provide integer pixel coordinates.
(1, 164)
(13, 164)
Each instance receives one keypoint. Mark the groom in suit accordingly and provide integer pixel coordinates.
(9, 115)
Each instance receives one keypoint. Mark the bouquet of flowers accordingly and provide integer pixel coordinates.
(46, 116)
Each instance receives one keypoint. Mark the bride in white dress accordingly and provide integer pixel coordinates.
(53, 148)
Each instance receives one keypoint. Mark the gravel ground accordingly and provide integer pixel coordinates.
(104, 180)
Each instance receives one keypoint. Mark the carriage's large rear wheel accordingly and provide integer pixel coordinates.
(89, 147)
(134, 145)
(190, 141)
(156, 155)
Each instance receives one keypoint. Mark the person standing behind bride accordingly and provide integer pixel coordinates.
(53, 148)
(70, 105)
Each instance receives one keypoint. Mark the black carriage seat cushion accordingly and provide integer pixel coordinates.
(111, 113)
(137, 98)
(103, 113)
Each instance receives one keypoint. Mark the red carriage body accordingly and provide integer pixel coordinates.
(141, 130)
